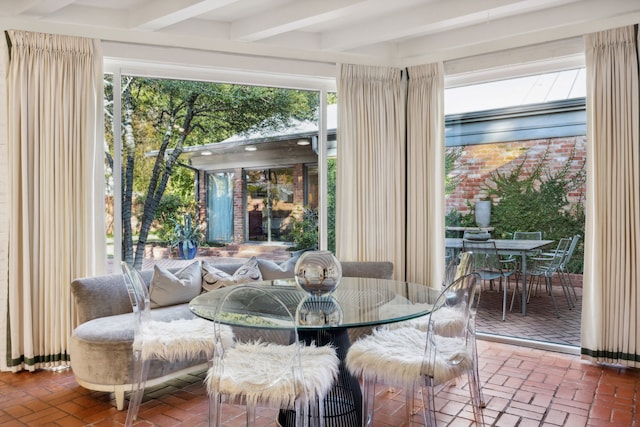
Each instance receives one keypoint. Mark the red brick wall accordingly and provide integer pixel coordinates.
(476, 162)
(238, 207)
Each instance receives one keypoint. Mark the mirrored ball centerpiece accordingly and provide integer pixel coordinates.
(318, 272)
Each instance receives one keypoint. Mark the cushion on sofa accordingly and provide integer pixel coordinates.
(214, 278)
(272, 271)
(169, 288)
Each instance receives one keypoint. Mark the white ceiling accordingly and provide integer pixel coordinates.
(376, 32)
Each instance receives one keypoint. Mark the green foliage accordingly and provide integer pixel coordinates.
(457, 219)
(168, 211)
(331, 205)
(304, 232)
(451, 180)
(536, 200)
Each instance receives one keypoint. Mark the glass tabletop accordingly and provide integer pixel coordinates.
(356, 302)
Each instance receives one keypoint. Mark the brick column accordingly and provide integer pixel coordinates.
(238, 206)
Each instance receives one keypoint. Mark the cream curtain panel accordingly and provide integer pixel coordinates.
(425, 172)
(371, 168)
(611, 299)
(55, 190)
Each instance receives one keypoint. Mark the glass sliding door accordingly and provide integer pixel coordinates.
(269, 203)
(220, 206)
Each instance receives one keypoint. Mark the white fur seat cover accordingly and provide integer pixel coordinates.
(447, 322)
(396, 356)
(179, 339)
(261, 372)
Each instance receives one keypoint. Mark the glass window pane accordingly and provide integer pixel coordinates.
(220, 207)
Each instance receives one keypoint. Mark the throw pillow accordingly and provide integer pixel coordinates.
(167, 288)
(214, 278)
(272, 271)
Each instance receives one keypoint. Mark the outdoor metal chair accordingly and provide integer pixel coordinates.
(490, 267)
(544, 267)
(563, 271)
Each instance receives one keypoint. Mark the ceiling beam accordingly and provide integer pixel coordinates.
(39, 8)
(294, 16)
(155, 15)
(429, 19)
(535, 27)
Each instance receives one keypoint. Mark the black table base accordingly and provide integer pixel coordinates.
(343, 404)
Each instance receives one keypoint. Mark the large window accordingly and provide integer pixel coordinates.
(214, 155)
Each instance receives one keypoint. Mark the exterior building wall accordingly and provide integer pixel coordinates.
(477, 162)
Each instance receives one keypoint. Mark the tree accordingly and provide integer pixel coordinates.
(168, 115)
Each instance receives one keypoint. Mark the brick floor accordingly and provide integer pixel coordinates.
(522, 387)
(540, 323)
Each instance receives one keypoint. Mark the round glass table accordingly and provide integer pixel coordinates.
(357, 302)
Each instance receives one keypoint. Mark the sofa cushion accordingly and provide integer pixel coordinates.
(169, 288)
(214, 278)
(272, 271)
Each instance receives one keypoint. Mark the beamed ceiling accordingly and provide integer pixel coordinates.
(375, 32)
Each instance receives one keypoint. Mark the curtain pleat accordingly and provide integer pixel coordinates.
(55, 181)
(611, 299)
(425, 172)
(371, 171)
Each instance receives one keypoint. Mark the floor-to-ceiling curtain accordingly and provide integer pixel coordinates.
(611, 299)
(425, 172)
(55, 189)
(371, 169)
(4, 185)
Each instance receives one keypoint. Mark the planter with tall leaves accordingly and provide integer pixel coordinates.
(186, 237)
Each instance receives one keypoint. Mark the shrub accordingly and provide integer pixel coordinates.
(304, 232)
(536, 200)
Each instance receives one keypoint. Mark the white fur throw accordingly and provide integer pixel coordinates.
(181, 339)
(396, 356)
(263, 373)
(446, 321)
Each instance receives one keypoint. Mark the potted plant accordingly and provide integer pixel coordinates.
(186, 236)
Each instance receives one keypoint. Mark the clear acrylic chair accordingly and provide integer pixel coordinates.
(410, 357)
(544, 267)
(488, 264)
(176, 340)
(460, 266)
(295, 377)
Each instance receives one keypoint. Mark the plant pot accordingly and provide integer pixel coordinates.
(483, 213)
(188, 252)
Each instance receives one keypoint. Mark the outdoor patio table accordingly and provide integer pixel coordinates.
(520, 248)
(355, 303)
